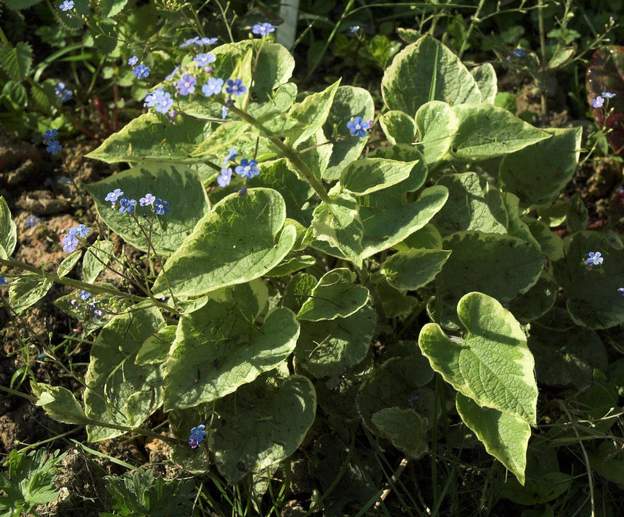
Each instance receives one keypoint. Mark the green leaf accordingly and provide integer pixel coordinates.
(262, 424)
(16, 61)
(472, 205)
(176, 184)
(398, 127)
(369, 175)
(292, 265)
(537, 301)
(298, 290)
(241, 239)
(414, 268)
(310, 114)
(111, 8)
(96, 259)
(593, 300)
(119, 391)
(58, 403)
(219, 348)
(405, 428)
(335, 296)
(349, 102)
(485, 76)
(538, 173)
(437, 124)
(68, 263)
(8, 230)
(505, 436)
(424, 71)
(492, 364)
(405, 153)
(153, 137)
(550, 243)
(330, 347)
(397, 383)
(18, 5)
(155, 348)
(498, 265)
(427, 237)
(487, 132)
(27, 290)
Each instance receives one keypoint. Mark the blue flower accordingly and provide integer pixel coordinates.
(213, 86)
(594, 258)
(235, 87)
(186, 84)
(206, 42)
(607, 95)
(598, 102)
(31, 221)
(3, 281)
(50, 135)
(247, 168)
(620, 291)
(161, 207)
(62, 92)
(189, 42)
(519, 53)
(147, 200)
(141, 71)
(232, 153)
(113, 196)
(197, 436)
(205, 59)
(71, 238)
(225, 177)
(127, 205)
(354, 29)
(133, 60)
(263, 29)
(160, 100)
(358, 127)
(224, 112)
(84, 295)
(54, 147)
(66, 5)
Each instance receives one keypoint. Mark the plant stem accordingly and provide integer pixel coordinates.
(542, 38)
(288, 151)
(474, 20)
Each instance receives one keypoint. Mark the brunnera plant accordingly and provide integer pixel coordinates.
(276, 253)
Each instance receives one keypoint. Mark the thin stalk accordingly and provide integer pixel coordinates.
(474, 20)
(542, 38)
(288, 151)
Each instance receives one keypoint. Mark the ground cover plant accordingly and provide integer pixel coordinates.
(304, 295)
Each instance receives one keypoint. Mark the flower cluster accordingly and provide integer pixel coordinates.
(66, 5)
(83, 302)
(160, 100)
(599, 101)
(62, 92)
(139, 70)
(359, 127)
(246, 168)
(198, 42)
(74, 236)
(50, 139)
(263, 29)
(197, 436)
(126, 205)
(204, 60)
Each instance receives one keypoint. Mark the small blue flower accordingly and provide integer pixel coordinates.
(607, 95)
(213, 86)
(54, 147)
(197, 436)
(247, 168)
(66, 5)
(224, 112)
(31, 221)
(519, 53)
(354, 29)
(598, 102)
(263, 29)
(235, 87)
(84, 295)
(232, 153)
(71, 238)
(189, 42)
(161, 207)
(3, 281)
(82, 231)
(133, 60)
(358, 127)
(205, 59)
(225, 177)
(594, 258)
(186, 85)
(113, 196)
(206, 42)
(620, 291)
(62, 92)
(147, 200)
(160, 100)
(50, 135)
(127, 206)
(141, 71)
